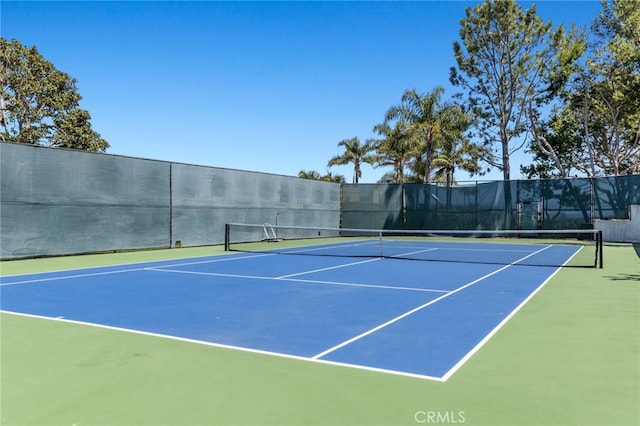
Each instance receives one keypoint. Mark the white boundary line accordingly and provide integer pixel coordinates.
(215, 260)
(317, 357)
(117, 271)
(116, 265)
(476, 348)
(419, 308)
(480, 344)
(404, 315)
(93, 274)
(224, 346)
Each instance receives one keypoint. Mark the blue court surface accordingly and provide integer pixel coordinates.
(417, 318)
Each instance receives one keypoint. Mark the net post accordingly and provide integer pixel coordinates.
(599, 250)
(226, 237)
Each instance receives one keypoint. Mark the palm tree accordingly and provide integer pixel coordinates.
(310, 174)
(330, 177)
(314, 175)
(354, 153)
(423, 116)
(395, 149)
(455, 155)
(454, 149)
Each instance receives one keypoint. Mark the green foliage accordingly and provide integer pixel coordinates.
(454, 150)
(422, 114)
(395, 149)
(422, 138)
(74, 131)
(314, 175)
(595, 129)
(39, 104)
(571, 97)
(428, 135)
(356, 153)
(502, 59)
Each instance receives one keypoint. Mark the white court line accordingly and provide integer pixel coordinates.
(225, 346)
(471, 249)
(290, 276)
(93, 274)
(258, 277)
(293, 250)
(414, 252)
(117, 271)
(286, 251)
(211, 274)
(486, 338)
(425, 290)
(232, 256)
(480, 344)
(312, 359)
(419, 308)
(327, 268)
(216, 260)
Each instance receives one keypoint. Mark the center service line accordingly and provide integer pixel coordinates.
(281, 277)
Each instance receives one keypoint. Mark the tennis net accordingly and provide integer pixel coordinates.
(576, 248)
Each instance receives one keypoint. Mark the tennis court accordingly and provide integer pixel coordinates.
(119, 305)
(403, 305)
(569, 355)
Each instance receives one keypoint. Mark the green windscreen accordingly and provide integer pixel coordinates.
(205, 198)
(556, 204)
(56, 202)
(60, 202)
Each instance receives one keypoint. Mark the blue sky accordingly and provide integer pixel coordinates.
(264, 86)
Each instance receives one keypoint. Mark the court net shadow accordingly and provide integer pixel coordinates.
(625, 277)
